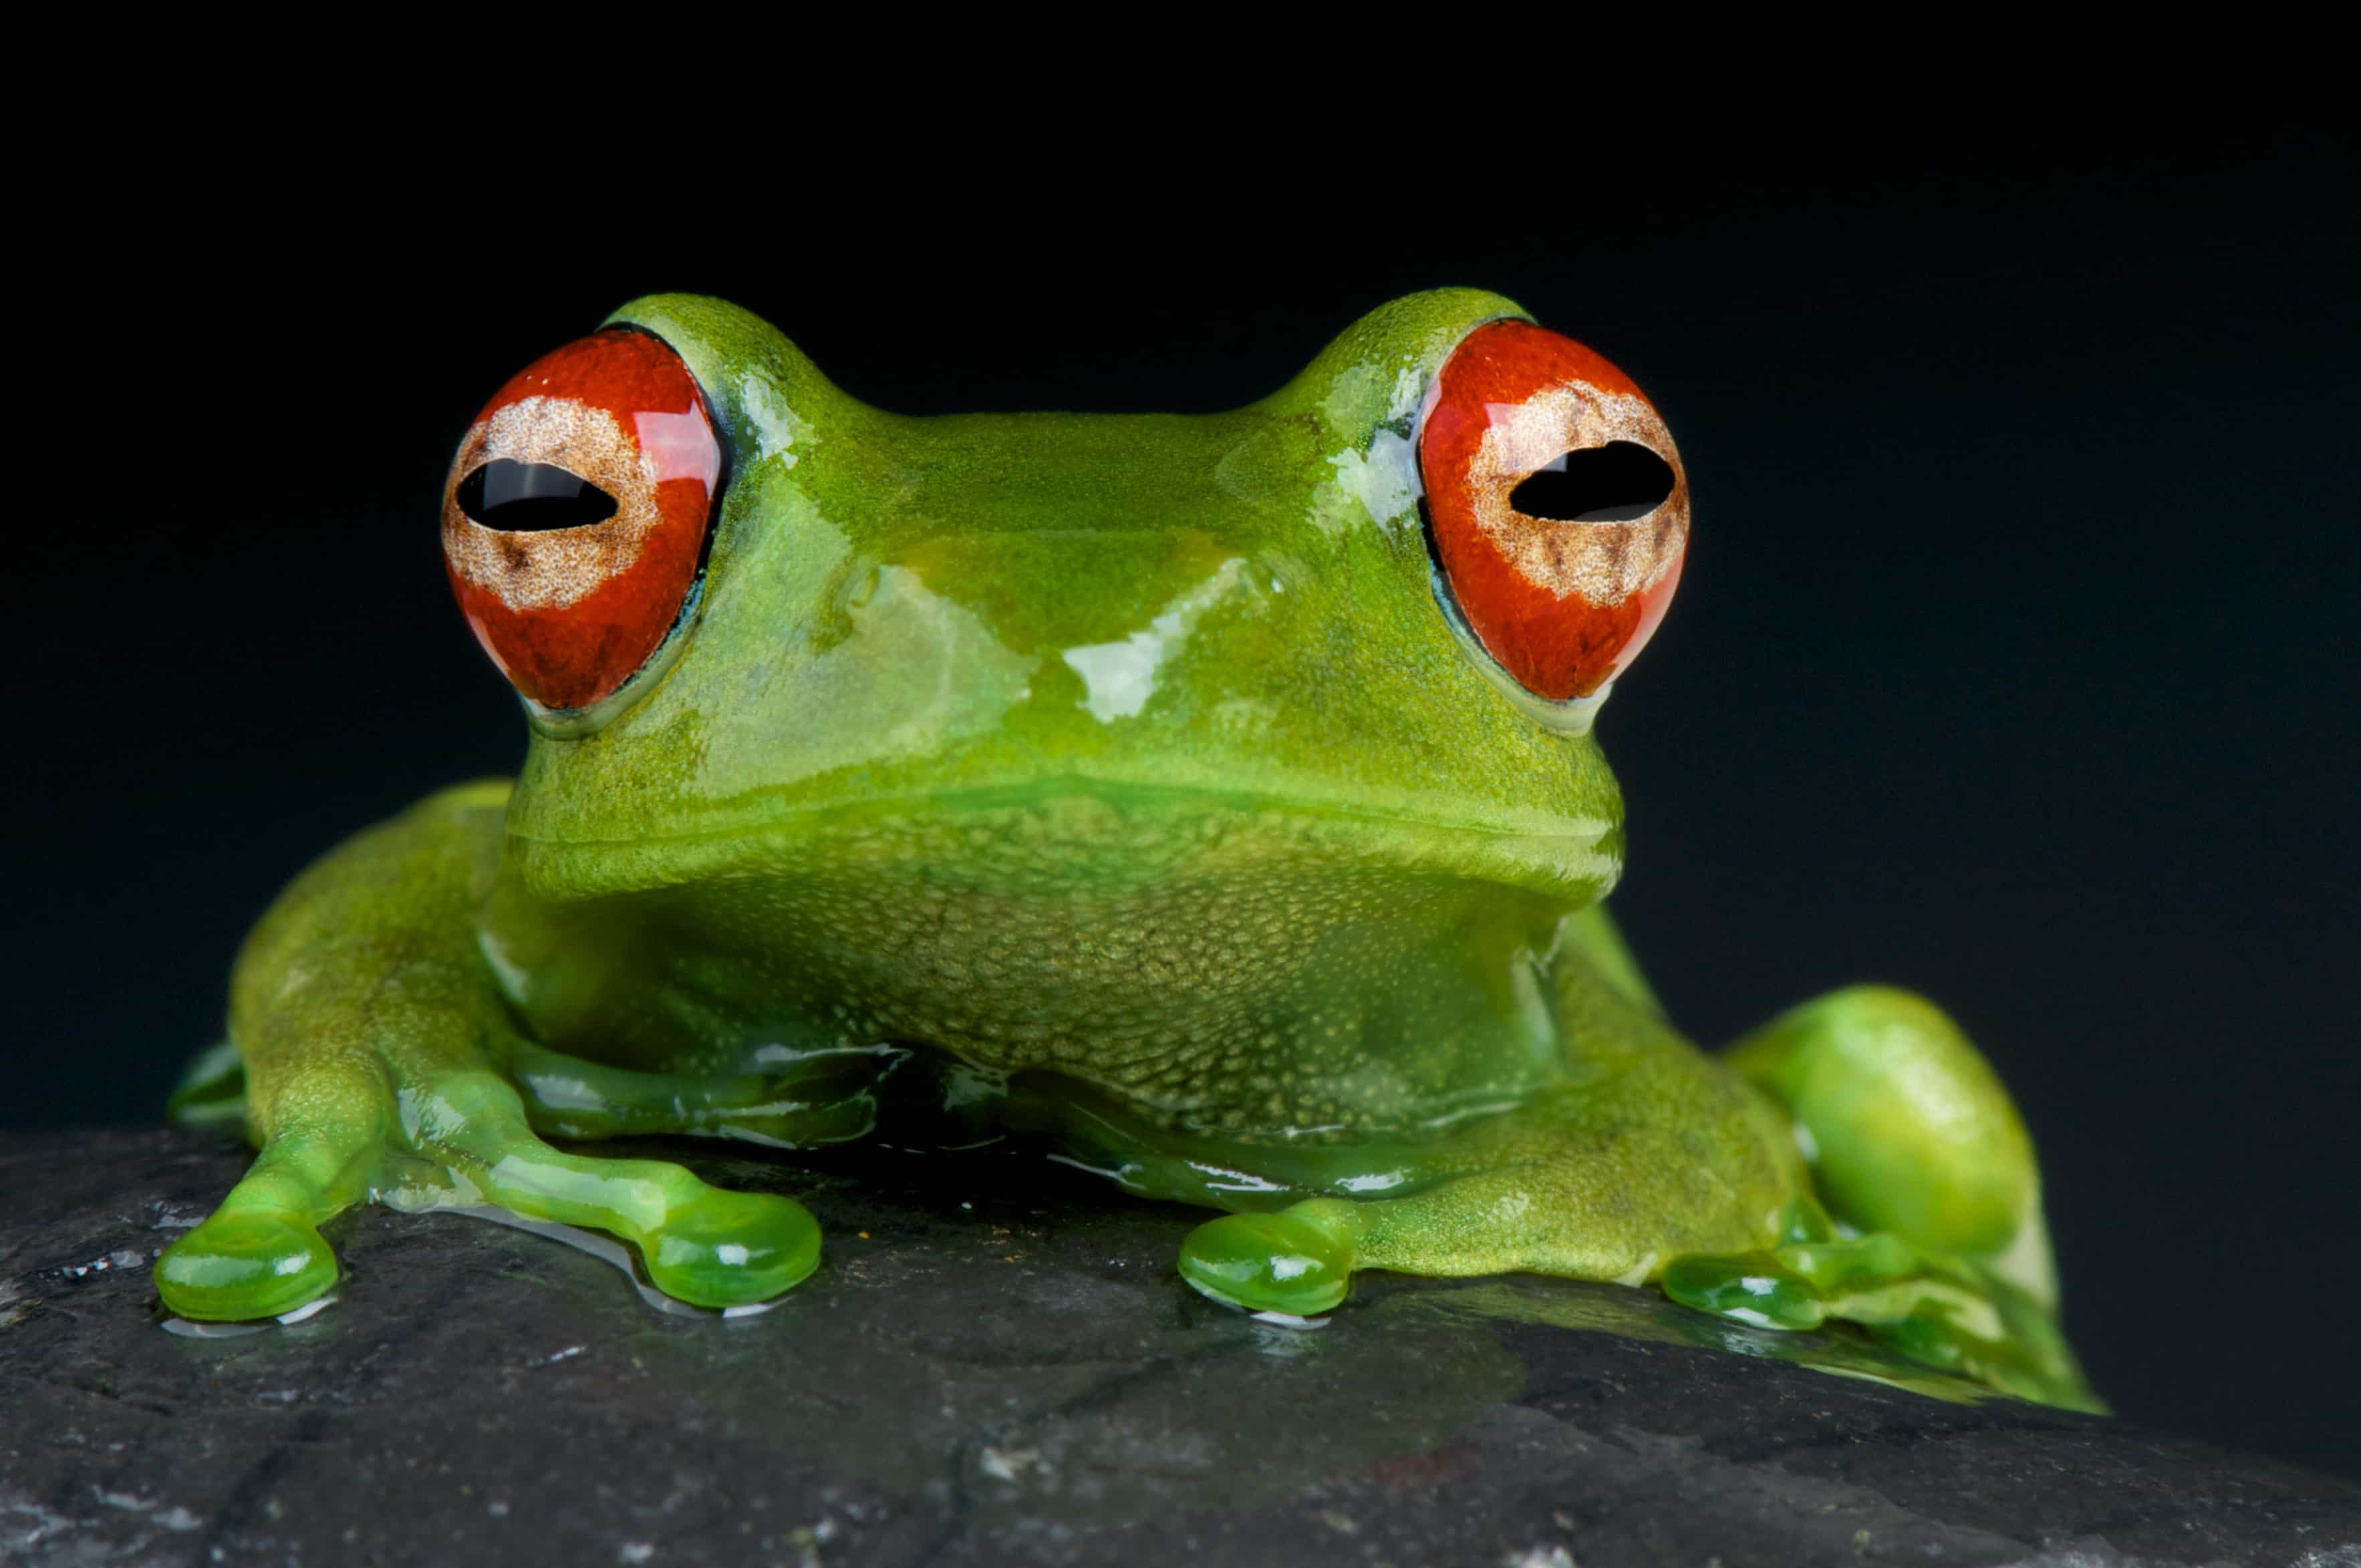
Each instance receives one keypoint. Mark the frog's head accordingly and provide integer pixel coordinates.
(754, 620)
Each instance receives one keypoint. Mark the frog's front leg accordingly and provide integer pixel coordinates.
(1606, 1177)
(378, 1055)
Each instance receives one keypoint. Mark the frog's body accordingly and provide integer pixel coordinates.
(1135, 774)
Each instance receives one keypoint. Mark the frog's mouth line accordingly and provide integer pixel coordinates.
(1062, 788)
(1082, 815)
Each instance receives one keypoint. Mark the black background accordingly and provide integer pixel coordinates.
(2013, 662)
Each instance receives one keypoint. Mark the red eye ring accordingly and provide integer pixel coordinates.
(575, 512)
(1562, 603)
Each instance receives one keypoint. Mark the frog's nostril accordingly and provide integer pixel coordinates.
(1619, 482)
(531, 498)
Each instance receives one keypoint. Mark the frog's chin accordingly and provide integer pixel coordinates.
(1071, 836)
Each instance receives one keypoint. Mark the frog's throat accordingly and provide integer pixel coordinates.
(1093, 831)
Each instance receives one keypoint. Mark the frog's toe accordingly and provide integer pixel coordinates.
(704, 1245)
(1755, 1288)
(245, 1263)
(1947, 1313)
(1298, 1261)
(730, 1249)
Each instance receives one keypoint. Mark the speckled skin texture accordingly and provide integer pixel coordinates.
(1125, 775)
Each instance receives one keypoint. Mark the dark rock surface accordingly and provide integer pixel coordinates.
(1019, 1381)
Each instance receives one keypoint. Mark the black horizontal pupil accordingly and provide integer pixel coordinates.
(1619, 482)
(531, 498)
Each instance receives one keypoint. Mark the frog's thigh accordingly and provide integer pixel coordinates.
(1604, 1180)
(826, 1100)
(1905, 1126)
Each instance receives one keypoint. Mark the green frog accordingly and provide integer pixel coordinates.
(1213, 798)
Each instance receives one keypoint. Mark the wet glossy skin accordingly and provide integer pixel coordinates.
(1132, 780)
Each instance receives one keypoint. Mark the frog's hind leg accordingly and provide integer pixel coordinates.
(1931, 1237)
(1905, 1126)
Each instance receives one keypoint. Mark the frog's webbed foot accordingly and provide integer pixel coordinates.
(1936, 1246)
(1949, 1313)
(463, 1139)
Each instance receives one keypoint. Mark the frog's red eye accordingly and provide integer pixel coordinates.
(1559, 509)
(576, 513)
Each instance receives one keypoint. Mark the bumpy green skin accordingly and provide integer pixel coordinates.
(1126, 768)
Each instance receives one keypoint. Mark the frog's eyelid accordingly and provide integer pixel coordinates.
(1432, 390)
